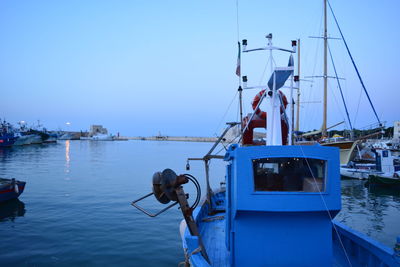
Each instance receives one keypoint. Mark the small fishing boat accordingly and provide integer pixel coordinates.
(357, 171)
(10, 189)
(7, 137)
(26, 139)
(387, 169)
(277, 204)
(102, 137)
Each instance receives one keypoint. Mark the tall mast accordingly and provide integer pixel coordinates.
(324, 133)
(298, 87)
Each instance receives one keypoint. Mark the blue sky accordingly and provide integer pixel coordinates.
(144, 67)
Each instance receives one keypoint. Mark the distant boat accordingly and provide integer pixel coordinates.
(52, 138)
(387, 169)
(102, 137)
(66, 136)
(27, 139)
(7, 137)
(10, 189)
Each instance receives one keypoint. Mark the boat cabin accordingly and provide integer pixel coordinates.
(276, 214)
(386, 161)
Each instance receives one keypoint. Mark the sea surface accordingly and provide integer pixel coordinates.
(75, 210)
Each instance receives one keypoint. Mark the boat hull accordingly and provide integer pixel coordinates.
(353, 173)
(212, 229)
(382, 180)
(7, 140)
(7, 191)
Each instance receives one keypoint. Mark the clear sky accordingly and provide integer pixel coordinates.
(144, 67)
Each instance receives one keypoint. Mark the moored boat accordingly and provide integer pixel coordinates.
(10, 189)
(102, 137)
(7, 137)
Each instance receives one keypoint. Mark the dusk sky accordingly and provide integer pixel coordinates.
(144, 67)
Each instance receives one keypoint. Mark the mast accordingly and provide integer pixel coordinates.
(323, 129)
(298, 87)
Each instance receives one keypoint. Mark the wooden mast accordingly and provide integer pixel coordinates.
(323, 130)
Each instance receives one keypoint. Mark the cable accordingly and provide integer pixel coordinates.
(198, 189)
(326, 206)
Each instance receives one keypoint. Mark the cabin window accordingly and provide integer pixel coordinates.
(289, 174)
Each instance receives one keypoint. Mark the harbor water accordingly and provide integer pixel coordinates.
(75, 210)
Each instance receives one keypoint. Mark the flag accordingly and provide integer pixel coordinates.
(238, 61)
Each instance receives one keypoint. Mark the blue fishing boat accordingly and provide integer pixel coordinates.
(10, 189)
(277, 204)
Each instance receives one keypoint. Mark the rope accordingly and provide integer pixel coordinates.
(187, 256)
(216, 218)
(326, 207)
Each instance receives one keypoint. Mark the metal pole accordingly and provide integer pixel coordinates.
(291, 110)
(298, 87)
(324, 121)
(190, 222)
(209, 191)
(241, 107)
(240, 87)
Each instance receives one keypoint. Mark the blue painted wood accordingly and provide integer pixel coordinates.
(7, 191)
(280, 228)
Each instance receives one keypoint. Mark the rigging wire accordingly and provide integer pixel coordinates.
(358, 106)
(311, 87)
(326, 207)
(237, 20)
(354, 64)
(226, 112)
(265, 69)
(337, 102)
(340, 88)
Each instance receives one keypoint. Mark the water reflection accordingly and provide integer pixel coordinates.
(11, 209)
(370, 209)
(379, 191)
(67, 158)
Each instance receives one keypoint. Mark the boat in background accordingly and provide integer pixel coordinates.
(7, 137)
(22, 140)
(10, 189)
(101, 137)
(387, 169)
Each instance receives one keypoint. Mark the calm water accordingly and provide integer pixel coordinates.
(76, 211)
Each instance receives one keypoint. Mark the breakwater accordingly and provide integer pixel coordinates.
(170, 138)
